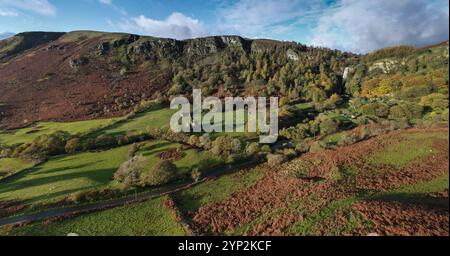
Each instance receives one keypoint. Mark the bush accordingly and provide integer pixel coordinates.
(147, 105)
(205, 141)
(435, 101)
(129, 172)
(266, 149)
(104, 141)
(275, 160)
(133, 149)
(347, 139)
(302, 147)
(375, 109)
(226, 146)
(416, 91)
(328, 126)
(194, 140)
(297, 133)
(406, 110)
(196, 174)
(45, 145)
(73, 145)
(289, 152)
(252, 149)
(316, 147)
(161, 174)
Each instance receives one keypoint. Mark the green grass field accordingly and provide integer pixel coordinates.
(414, 147)
(140, 123)
(12, 165)
(150, 218)
(27, 135)
(63, 175)
(191, 158)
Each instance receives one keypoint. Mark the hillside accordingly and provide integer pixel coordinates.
(85, 138)
(85, 75)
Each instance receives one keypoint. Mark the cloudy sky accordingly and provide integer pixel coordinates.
(351, 25)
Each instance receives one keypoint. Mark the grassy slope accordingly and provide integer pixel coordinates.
(140, 123)
(191, 157)
(216, 190)
(12, 165)
(64, 175)
(414, 147)
(28, 134)
(143, 219)
(61, 176)
(398, 155)
(127, 220)
(147, 218)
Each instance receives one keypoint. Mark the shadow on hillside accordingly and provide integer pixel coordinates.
(417, 198)
(101, 176)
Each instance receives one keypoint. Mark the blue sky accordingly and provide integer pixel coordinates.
(353, 25)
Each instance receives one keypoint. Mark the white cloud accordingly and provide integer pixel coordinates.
(177, 26)
(8, 13)
(255, 18)
(116, 8)
(363, 26)
(42, 7)
(107, 2)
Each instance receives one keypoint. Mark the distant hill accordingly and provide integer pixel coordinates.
(6, 35)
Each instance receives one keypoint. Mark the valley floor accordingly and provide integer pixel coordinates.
(393, 184)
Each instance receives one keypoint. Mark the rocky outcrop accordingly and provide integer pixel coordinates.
(347, 72)
(78, 62)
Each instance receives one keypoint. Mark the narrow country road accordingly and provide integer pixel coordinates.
(125, 200)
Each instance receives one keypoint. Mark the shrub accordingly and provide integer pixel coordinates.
(226, 146)
(406, 110)
(196, 174)
(297, 133)
(302, 147)
(289, 152)
(316, 147)
(45, 145)
(435, 101)
(416, 91)
(162, 173)
(133, 149)
(266, 149)
(444, 115)
(347, 139)
(328, 126)
(205, 141)
(129, 172)
(375, 109)
(275, 160)
(104, 141)
(193, 140)
(123, 71)
(147, 105)
(252, 149)
(73, 145)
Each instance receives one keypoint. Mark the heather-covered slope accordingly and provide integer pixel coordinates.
(85, 75)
